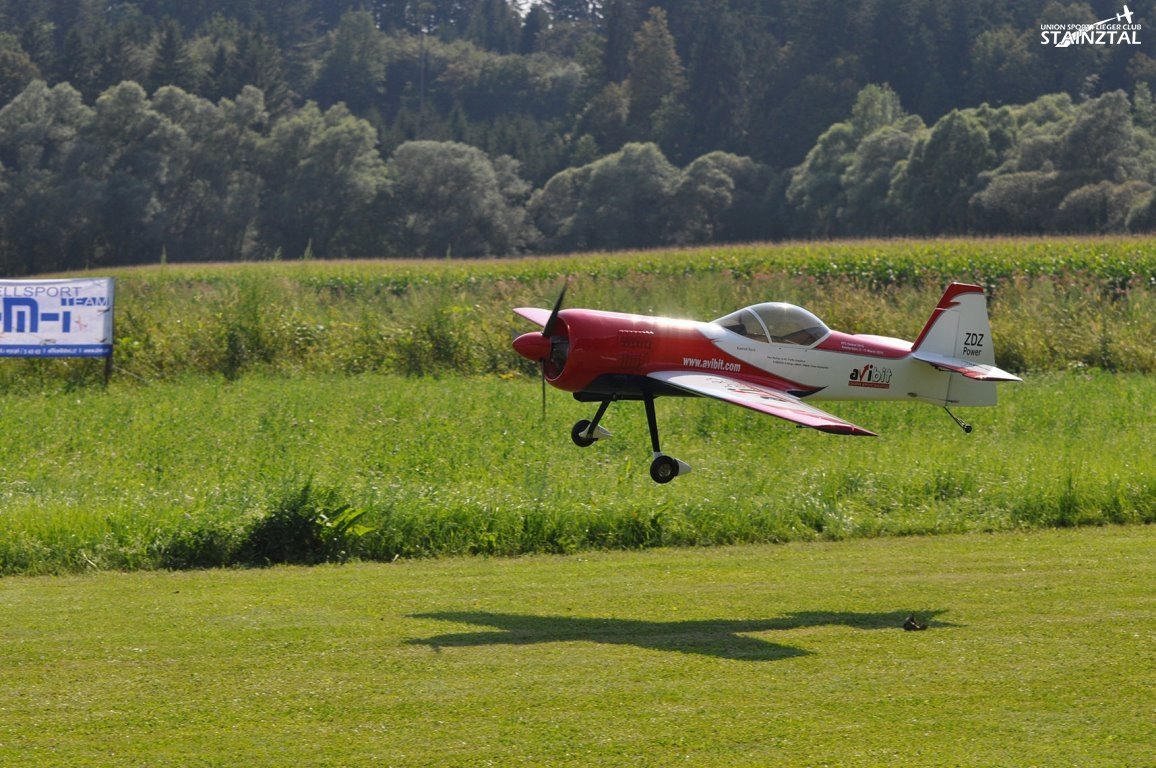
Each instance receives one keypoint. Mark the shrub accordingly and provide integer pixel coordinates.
(305, 527)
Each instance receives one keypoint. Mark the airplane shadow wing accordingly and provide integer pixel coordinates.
(720, 638)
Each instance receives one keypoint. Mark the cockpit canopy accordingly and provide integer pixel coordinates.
(777, 323)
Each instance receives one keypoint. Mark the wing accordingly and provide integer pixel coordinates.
(759, 398)
(977, 371)
(534, 314)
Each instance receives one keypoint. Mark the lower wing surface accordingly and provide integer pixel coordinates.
(759, 398)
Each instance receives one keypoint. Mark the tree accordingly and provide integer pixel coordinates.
(606, 118)
(721, 197)
(717, 82)
(866, 182)
(1004, 71)
(171, 64)
(212, 213)
(449, 199)
(843, 183)
(494, 26)
(45, 220)
(323, 178)
(86, 39)
(1077, 168)
(1101, 142)
(816, 188)
(553, 209)
(353, 70)
(570, 10)
(1017, 202)
(619, 20)
(656, 74)
(259, 63)
(137, 160)
(1100, 208)
(620, 201)
(537, 20)
(17, 69)
(876, 106)
(933, 188)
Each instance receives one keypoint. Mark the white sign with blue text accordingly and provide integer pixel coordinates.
(56, 318)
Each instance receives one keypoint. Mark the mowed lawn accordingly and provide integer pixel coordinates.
(1041, 651)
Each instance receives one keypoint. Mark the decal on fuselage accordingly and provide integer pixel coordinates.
(972, 344)
(870, 376)
(712, 364)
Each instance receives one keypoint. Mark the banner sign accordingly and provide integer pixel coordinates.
(56, 318)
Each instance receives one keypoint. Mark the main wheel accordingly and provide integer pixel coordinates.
(578, 434)
(663, 469)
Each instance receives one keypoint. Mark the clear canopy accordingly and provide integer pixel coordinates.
(775, 322)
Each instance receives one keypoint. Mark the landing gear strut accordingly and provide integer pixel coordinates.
(663, 468)
(586, 433)
(962, 424)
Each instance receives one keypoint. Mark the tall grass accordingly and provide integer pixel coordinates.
(190, 473)
(1054, 303)
(318, 410)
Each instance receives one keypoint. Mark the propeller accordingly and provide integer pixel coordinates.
(541, 347)
(548, 329)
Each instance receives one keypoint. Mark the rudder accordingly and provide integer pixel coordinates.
(958, 327)
(959, 330)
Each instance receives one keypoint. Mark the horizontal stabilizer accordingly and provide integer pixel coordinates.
(977, 371)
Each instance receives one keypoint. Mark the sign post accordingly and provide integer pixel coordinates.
(71, 317)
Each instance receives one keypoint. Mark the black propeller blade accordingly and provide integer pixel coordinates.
(543, 367)
(548, 331)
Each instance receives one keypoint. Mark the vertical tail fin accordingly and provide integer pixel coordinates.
(957, 338)
(958, 327)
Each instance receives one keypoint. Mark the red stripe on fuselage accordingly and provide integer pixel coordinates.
(868, 346)
(606, 343)
(947, 301)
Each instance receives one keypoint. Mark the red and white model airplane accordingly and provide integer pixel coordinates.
(775, 358)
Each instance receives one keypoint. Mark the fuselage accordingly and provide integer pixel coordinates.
(766, 357)
(597, 353)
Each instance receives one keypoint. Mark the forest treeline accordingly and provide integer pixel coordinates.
(185, 130)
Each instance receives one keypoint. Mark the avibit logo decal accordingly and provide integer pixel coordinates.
(870, 376)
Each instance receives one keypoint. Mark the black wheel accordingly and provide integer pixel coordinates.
(663, 469)
(577, 434)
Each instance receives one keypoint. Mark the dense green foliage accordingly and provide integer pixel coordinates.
(1038, 652)
(180, 131)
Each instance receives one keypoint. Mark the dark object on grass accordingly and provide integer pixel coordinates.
(912, 624)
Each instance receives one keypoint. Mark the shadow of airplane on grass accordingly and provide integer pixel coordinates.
(721, 638)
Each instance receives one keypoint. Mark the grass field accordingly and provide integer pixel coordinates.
(1039, 653)
(182, 474)
(316, 411)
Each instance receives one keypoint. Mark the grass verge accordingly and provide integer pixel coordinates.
(267, 469)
